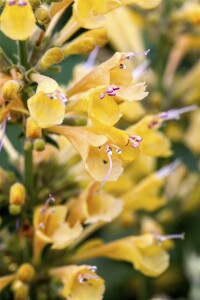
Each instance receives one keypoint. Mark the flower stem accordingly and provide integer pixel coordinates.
(28, 173)
(23, 55)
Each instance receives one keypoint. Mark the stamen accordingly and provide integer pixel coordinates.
(91, 59)
(92, 268)
(116, 88)
(123, 66)
(141, 69)
(112, 94)
(21, 3)
(132, 54)
(118, 150)
(11, 2)
(58, 95)
(166, 171)
(83, 278)
(41, 225)
(49, 199)
(3, 131)
(162, 238)
(109, 90)
(135, 141)
(174, 114)
(102, 95)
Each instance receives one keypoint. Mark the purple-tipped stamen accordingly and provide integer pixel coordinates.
(133, 54)
(174, 114)
(166, 171)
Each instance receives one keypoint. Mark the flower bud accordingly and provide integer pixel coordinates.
(42, 15)
(10, 89)
(26, 273)
(33, 131)
(17, 194)
(14, 210)
(35, 3)
(52, 56)
(20, 290)
(39, 145)
(28, 146)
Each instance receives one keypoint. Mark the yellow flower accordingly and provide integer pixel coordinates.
(112, 72)
(50, 227)
(17, 20)
(144, 252)
(92, 207)
(102, 148)
(145, 195)
(86, 42)
(80, 282)
(89, 14)
(47, 106)
(154, 143)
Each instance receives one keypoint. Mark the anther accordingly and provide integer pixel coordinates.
(92, 268)
(112, 94)
(11, 2)
(122, 66)
(21, 3)
(41, 225)
(132, 54)
(49, 199)
(102, 95)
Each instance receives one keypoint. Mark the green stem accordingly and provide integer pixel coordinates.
(28, 173)
(23, 54)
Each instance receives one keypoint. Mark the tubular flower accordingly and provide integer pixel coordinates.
(92, 207)
(86, 42)
(47, 106)
(17, 19)
(102, 149)
(89, 14)
(144, 252)
(115, 86)
(80, 282)
(50, 227)
(154, 143)
(112, 72)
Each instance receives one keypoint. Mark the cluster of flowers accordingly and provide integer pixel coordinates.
(76, 173)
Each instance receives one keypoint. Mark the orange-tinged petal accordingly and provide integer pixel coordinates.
(17, 21)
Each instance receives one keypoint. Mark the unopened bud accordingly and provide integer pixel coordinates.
(51, 57)
(39, 145)
(15, 210)
(26, 273)
(42, 15)
(10, 90)
(35, 3)
(17, 194)
(20, 290)
(28, 146)
(33, 131)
